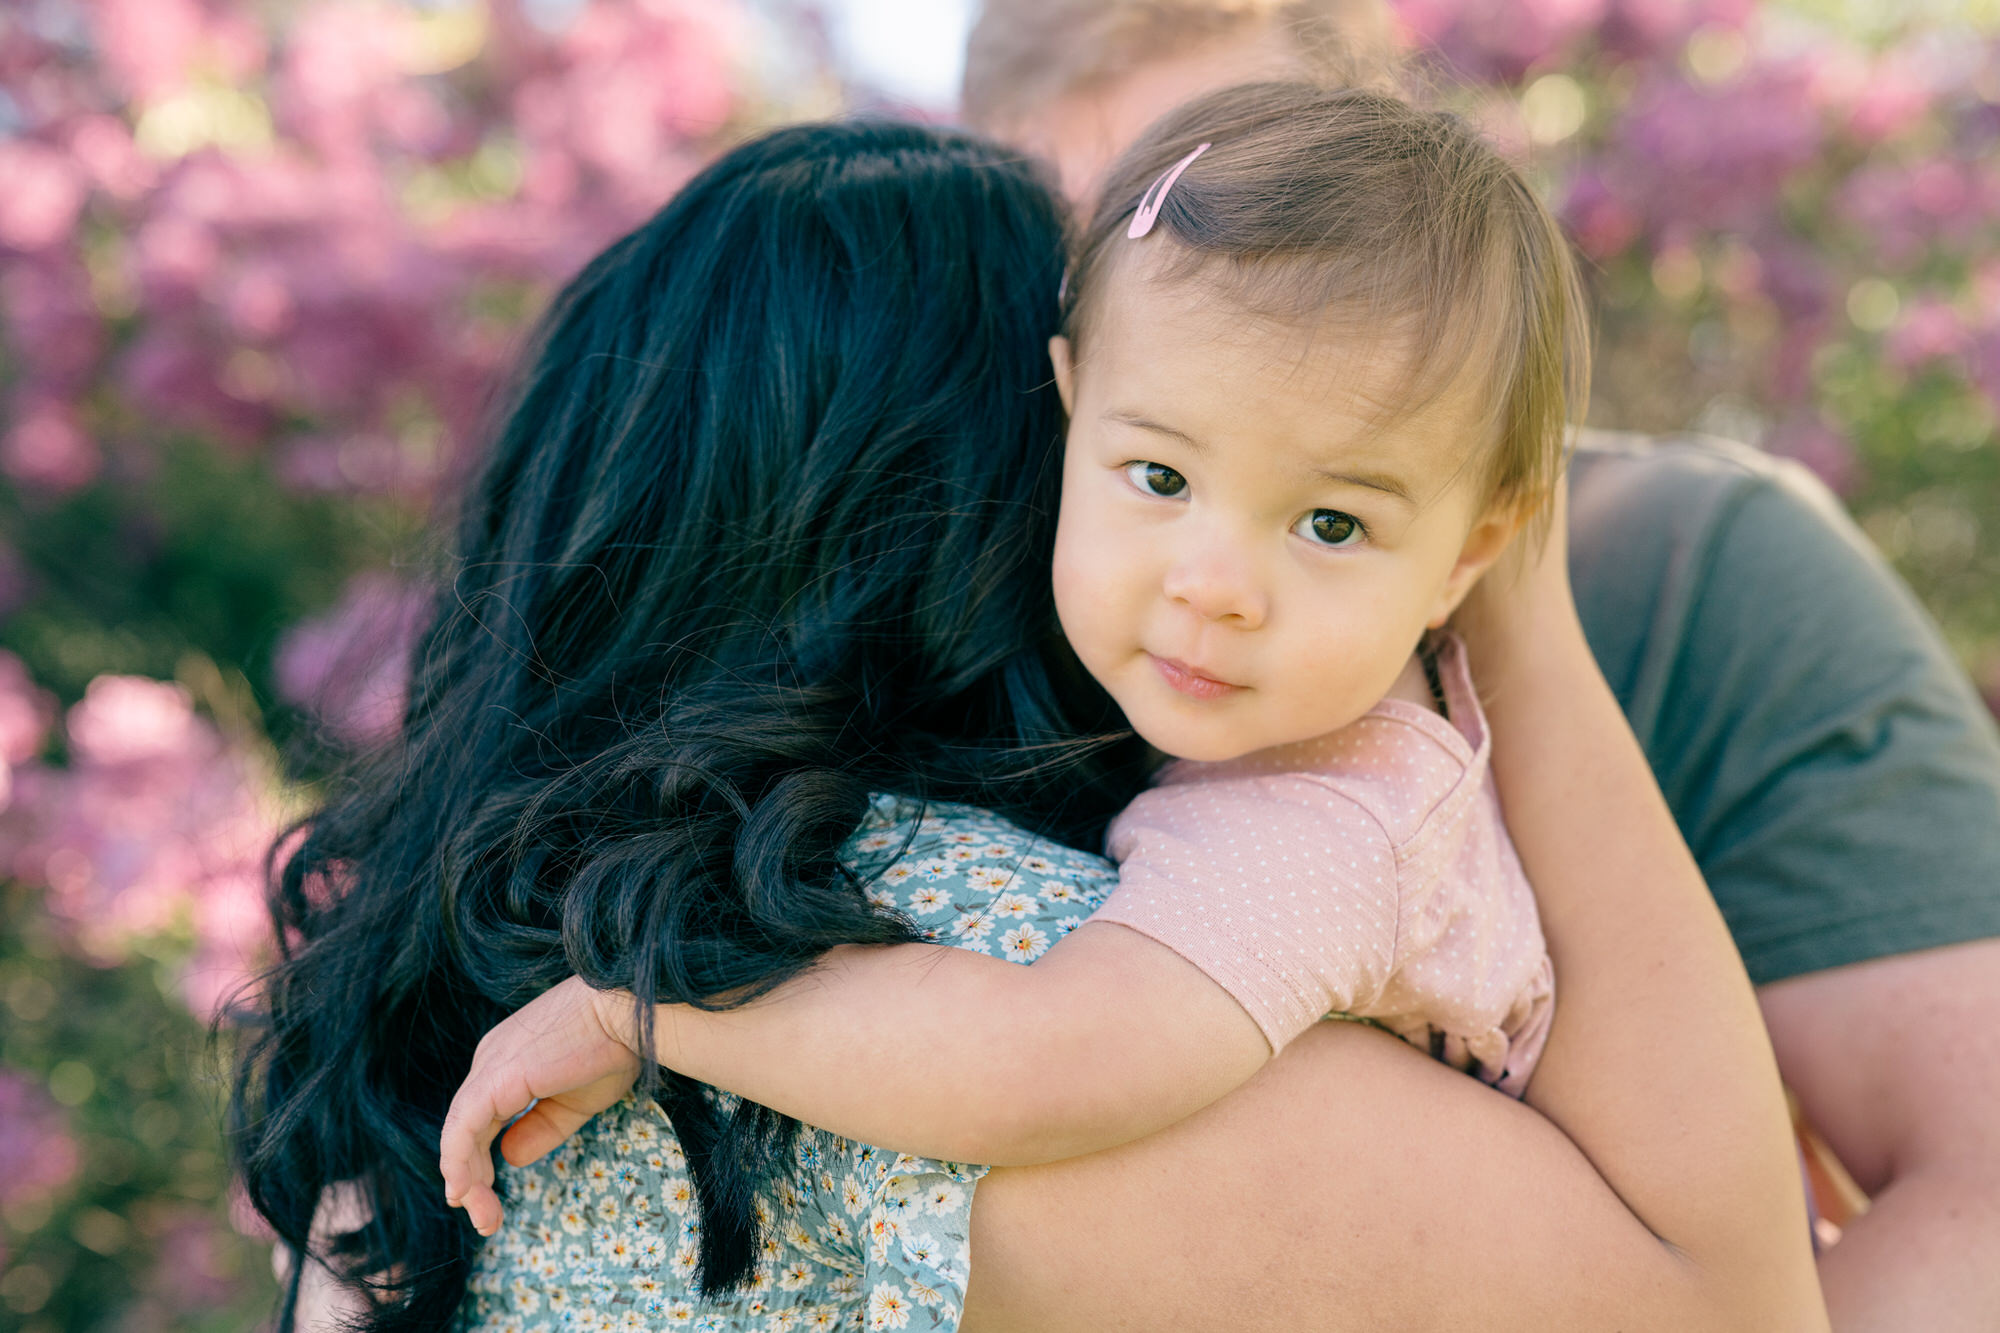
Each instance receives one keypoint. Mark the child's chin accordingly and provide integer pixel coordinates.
(1194, 744)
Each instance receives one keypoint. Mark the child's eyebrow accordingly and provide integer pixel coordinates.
(1146, 423)
(1374, 481)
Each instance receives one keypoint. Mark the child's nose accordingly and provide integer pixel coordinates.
(1216, 587)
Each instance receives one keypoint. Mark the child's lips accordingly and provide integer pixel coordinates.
(1191, 681)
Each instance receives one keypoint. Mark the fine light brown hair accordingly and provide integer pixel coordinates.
(1024, 54)
(1355, 213)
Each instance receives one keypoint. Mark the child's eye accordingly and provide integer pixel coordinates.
(1330, 527)
(1156, 478)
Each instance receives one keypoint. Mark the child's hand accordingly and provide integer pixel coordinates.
(562, 1057)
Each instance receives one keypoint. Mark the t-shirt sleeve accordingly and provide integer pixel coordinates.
(1829, 764)
(1278, 887)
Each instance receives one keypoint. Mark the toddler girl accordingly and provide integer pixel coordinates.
(1319, 352)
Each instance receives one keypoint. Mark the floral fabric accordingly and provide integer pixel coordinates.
(601, 1234)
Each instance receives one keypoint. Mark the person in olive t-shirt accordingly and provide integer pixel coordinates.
(1833, 771)
(1831, 768)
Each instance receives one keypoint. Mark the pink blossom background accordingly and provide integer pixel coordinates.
(261, 264)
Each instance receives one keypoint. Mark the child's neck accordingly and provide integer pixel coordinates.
(1415, 686)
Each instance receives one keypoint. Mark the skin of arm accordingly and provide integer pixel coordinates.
(1648, 976)
(1107, 1037)
(1896, 1061)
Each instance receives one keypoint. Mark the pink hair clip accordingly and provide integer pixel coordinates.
(1155, 196)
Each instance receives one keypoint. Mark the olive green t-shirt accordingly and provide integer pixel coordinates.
(1828, 762)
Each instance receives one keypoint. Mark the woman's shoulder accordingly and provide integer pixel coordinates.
(901, 828)
(973, 878)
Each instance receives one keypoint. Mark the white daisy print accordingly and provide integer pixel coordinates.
(990, 879)
(1013, 906)
(888, 1307)
(1024, 944)
(930, 899)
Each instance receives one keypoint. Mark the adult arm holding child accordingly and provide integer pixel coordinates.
(1700, 1161)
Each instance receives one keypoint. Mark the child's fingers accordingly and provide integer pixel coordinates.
(540, 1131)
(478, 1111)
(482, 1209)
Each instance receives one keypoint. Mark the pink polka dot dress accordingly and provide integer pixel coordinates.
(1365, 874)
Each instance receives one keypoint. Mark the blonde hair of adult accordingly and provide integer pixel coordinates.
(1024, 54)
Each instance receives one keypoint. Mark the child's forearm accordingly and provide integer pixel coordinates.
(1658, 1066)
(961, 1056)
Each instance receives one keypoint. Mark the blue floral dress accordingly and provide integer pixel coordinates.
(601, 1234)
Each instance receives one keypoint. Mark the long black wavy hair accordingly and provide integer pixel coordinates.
(766, 528)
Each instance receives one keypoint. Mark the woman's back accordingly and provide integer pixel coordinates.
(604, 1231)
(764, 530)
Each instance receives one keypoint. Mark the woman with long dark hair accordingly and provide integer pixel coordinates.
(751, 600)
(766, 530)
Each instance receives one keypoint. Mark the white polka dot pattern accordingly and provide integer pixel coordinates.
(1365, 873)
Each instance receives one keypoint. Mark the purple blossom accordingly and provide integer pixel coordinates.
(1498, 40)
(156, 825)
(1822, 447)
(1646, 29)
(47, 448)
(45, 193)
(191, 1270)
(1908, 208)
(53, 330)
(38, 1156)
(1714, 157)
(1928, 329)
(26, 714)
(350, 666)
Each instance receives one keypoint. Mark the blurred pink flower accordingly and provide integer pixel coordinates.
(191, 1272)
(26, 713)
(1908, 207)
(258, 303)
(1648, 29)
(102, 145)
(152, 47)
(47, 448)
(1983, 363)
(172, 374)
(44, 194)
(1714, 157)
(132, 720)
(350, 667)
(55, 335)
(1602, 223)
(1894, 97)
(38, 1157)
(1928, 329)
(1497, 39)
(1824, 449)
(155, 826)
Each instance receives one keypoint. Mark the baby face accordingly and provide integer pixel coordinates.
(1250, 546)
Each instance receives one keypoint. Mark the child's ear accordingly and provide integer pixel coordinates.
(1488, 540)
(1065, 368)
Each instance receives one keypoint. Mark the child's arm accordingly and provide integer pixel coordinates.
(919, 1047)
(1657, 1066)
(961, 1056)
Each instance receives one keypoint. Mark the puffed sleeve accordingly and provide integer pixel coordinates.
(1279, 887)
